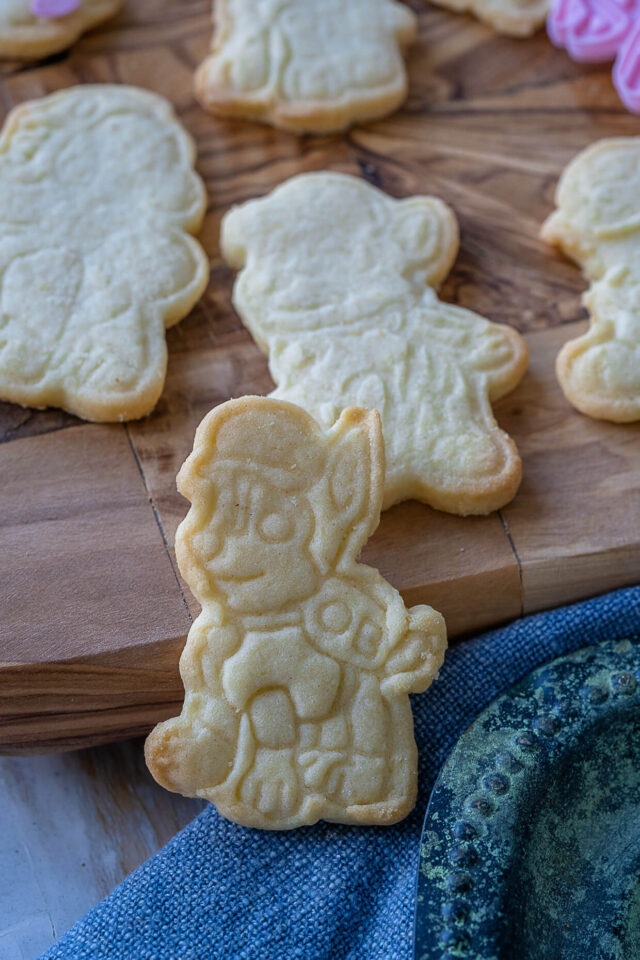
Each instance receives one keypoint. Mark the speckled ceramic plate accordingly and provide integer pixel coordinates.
(531, 843)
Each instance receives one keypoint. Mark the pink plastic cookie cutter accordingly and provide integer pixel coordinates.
(593, 31)
(53, 8)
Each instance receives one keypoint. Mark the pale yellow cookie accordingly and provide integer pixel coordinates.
(27, 37)
(597, 223)
(297, 671)
(98, 198)
(337, 286)
(307, 65)
(517, 18)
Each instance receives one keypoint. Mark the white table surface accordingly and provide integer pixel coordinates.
(72, 826)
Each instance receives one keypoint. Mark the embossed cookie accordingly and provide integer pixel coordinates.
(297, 671)
(98, 198)
(306, 65)
(26, 35)
(337, 286)
(597, 224)
(518, 18)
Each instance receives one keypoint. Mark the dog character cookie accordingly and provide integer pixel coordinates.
(517, 18)
(597, 224)
(98, 198)
(30, 29)
(297, 671)
(337, 286)
(307, 65)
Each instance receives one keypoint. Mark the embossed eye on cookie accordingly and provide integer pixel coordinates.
(597, 224)
(517, 18)
(30, 29)
(298, 669)
(337, 285)
(98, 201)
(307, 65)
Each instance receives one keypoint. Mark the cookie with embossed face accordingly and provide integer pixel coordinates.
(337, 284)
(517, 18)
(297, 671)
(37, 28)
(98, 200)
(597, 223)
(307, 65)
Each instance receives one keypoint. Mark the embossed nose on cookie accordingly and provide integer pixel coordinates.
(282, 499)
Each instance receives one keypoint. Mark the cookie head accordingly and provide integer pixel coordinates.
(274, 504)
(598, 192)
(326, 249)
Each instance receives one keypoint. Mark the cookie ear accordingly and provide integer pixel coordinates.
(348, 499)
(403, 23)
(426, 233)
(233, 237)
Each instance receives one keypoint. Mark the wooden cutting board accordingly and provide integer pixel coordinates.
(94, 613)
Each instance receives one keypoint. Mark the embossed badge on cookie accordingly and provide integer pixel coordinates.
(597, 224)
(297, 671)
(337, 285)
(36, 28)
(307, 65)
(98, 198)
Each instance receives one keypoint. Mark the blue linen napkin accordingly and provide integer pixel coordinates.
(329, 892)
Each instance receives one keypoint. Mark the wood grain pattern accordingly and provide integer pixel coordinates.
(87, 557)
(73, 826)
(575, 523)
(88, 573)
(489, 124)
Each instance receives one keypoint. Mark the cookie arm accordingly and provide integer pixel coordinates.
(414, 662)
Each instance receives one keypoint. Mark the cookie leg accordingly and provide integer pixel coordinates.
(272, 787)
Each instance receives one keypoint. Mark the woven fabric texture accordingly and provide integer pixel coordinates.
(328, 892)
